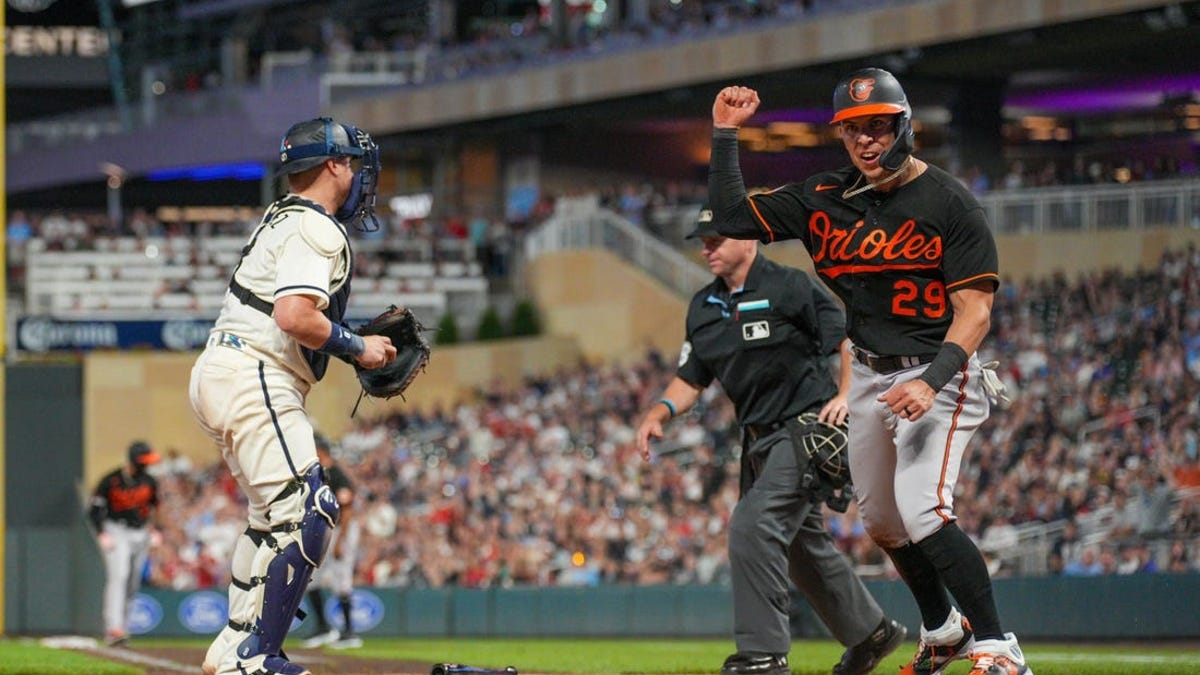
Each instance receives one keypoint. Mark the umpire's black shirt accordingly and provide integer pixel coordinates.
(767, 343)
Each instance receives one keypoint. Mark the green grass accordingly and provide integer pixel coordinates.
(27, 657)
(648, 657)
(808, 657)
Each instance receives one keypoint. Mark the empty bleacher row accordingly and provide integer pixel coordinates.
(183, 276)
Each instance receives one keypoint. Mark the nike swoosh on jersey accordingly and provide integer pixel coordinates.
(822, 188)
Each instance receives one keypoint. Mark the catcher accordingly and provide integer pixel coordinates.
(280, 322)
(765, 332)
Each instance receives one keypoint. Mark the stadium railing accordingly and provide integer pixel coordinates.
(605, 229)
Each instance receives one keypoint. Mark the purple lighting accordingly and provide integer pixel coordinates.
(1125, 95)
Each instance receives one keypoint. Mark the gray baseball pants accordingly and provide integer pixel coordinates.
(775, 534)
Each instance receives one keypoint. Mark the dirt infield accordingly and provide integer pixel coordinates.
(175, 660)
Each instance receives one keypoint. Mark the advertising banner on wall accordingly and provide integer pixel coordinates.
(41, 334)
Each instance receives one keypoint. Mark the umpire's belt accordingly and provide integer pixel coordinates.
(885, 365)
(757, 431)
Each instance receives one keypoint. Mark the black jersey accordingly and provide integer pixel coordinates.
(893, 258)
(337, 479)
(767, 343)
(123, 498)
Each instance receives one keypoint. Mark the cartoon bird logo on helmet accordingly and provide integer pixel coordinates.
(875, 91)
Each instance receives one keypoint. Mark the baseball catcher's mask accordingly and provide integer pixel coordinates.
(826, 447)
(309, 143)
(874, 91)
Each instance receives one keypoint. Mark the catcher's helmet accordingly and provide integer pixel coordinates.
(874, 91)
(309, 143)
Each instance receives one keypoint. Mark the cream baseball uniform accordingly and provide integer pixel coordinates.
(248, 392)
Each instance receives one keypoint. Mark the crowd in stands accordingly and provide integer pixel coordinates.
(660, 206)
(1095, 468)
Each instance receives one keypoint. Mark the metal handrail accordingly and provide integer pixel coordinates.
(607, 230)
(1083, 208)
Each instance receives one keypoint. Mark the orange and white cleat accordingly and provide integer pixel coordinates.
(939, 648)
(999, 657)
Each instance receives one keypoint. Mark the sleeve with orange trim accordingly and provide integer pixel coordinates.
(732, 214)
(970, 255)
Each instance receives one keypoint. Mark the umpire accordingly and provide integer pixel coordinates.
(765, 332)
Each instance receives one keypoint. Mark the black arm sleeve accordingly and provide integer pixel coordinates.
(732, 215)
(98, 508)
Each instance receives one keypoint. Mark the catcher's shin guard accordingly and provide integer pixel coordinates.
(284, 563)
(243, 606)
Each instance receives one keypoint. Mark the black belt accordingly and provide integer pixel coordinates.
(757, 431)
(886, 365)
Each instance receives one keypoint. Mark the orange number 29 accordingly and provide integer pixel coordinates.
(932, 302)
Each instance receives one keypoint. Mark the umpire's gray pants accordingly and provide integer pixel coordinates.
(776, 533)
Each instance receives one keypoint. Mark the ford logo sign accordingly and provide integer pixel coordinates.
(204, 612)
(146, 614)
(366, 611)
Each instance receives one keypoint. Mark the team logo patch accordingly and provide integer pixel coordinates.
(685, 353)
(204, 612)
(860, 89)
(146, 614)
(756, 330)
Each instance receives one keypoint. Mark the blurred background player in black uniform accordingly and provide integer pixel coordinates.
(766, 332)
(121, 508)
(336, 573)
(908, 250)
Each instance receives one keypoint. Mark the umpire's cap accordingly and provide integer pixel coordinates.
(141, 453)
(704, 225)
(868, 91)
(309, 143)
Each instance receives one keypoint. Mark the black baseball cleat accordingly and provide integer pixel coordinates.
(863, 657)
(756, 664)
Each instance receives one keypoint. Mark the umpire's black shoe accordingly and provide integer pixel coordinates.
(756, 664)
(864, 656)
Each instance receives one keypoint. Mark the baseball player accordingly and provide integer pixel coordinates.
(908, 250)
(336, 574)
(120, 511)
(766, 331)
(280, 323)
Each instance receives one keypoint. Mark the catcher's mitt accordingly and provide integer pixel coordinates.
(412, 354)
(826, 446)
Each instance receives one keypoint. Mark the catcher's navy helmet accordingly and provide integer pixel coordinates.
(875, 91)
(309, 143)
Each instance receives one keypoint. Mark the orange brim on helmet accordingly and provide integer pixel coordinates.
(868, 109)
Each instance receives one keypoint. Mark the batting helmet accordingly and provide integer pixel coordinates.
(141, 454)
(827, 448)
(874, 91)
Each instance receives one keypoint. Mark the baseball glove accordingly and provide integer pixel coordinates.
(826, 446)
(412, 354)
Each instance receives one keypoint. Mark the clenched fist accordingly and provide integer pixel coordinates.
(734, 105)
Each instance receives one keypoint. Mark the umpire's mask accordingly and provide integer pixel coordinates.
(309, 143)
